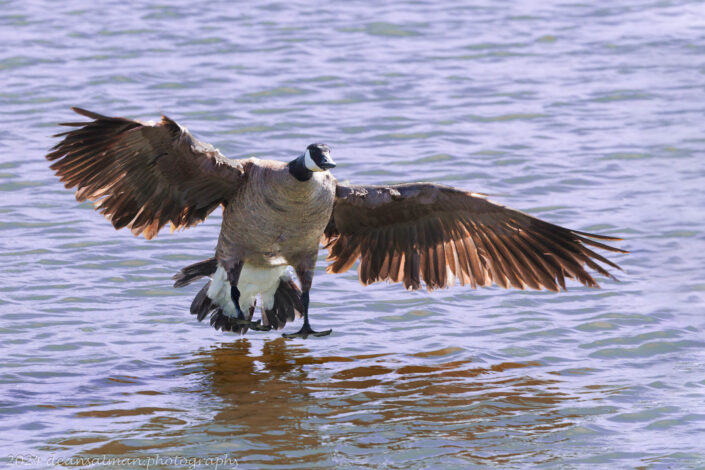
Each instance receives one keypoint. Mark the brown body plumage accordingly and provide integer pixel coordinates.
(293, 215)
(145, 175)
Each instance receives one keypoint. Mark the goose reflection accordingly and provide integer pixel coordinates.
(256, 386)
(264, 399)
(285, 405)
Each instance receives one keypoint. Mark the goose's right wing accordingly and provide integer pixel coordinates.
(144, 175)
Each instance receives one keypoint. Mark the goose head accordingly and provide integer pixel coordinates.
(317, 158)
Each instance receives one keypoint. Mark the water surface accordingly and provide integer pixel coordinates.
(589, 116)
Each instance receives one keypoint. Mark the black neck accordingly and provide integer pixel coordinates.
(297, 168)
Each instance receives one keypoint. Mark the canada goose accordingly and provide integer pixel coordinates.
(143, 175)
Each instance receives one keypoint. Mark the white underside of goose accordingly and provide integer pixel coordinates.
(254, 281)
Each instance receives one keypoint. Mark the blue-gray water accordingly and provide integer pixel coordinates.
(589, 115)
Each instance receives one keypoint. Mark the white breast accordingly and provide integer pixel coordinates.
(254, 281)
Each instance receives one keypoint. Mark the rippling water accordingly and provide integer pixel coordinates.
(589, 116)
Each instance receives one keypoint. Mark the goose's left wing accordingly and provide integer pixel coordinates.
(422, 231)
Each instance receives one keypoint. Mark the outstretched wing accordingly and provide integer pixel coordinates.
(438, 234)
(144, 175)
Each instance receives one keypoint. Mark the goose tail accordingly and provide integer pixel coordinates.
(194, 272)
(287, 305)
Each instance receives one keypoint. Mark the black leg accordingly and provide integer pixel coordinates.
(235, 295)
(305, 299)
(234, 278)
(306, 329)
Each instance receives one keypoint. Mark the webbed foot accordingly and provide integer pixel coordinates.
(257, 326)
(253, 325)
(305, 331)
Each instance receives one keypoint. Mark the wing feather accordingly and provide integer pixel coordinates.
(144, 175)
(440, 235)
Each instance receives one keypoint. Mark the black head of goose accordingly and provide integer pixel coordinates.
(144, 175)
(316, 158)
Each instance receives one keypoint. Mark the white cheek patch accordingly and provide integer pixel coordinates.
(310, 164)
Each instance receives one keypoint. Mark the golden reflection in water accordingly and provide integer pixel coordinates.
(264, 399)
(286, 406)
